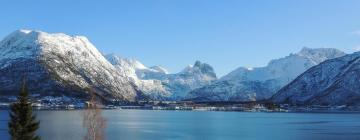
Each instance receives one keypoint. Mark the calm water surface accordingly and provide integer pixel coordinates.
(188, 125)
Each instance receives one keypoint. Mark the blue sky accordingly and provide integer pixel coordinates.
(174, 33)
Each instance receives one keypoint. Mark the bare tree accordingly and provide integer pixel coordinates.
(93, 120)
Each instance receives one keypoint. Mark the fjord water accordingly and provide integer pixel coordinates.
(181, 125)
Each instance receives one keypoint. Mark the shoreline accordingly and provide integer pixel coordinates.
(288, 111)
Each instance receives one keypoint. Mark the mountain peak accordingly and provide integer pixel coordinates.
(197, 63)
(318, 55)
(200, 67)
(60, 64)
(117, 60)
(306, 51)
(244, 84)
(24, 31)
(333, 82)
(160, 69)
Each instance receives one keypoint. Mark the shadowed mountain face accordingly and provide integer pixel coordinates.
(333, 82)
(251, 84)
(59, 65)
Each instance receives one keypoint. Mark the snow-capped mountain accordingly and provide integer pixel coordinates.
(158, 84)
(135, 71)
(250, 84)
(333, 82)
(59, 65)
(192, 77)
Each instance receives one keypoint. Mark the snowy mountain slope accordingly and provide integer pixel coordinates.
(333, 82)
(192, 77)
(58, 64)
(158, 84)
(244, 84)
(135, 70)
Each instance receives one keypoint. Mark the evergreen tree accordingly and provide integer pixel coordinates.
(23, 124)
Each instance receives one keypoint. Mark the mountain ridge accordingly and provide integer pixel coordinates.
(60, 65)
(158, 84)
(57, 64)
(333, 82)
(260, 83)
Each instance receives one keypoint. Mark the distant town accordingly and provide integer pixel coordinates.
(66, 103)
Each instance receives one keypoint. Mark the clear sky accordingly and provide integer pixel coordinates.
(174, 33)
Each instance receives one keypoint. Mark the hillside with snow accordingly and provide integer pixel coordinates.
(62, 65)
(333, 82)
(59, 65)
(158, 84)
(244, 84)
